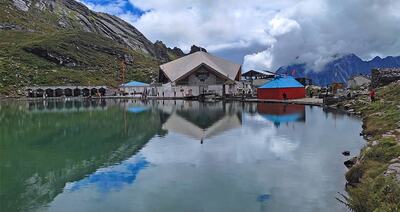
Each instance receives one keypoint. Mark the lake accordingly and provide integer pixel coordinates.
(127, 155)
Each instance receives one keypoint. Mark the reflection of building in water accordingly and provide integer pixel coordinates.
(68, 91)
(282, 113)
(202, 120)
(67, 106)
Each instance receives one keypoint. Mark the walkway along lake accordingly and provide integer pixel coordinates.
(122, 155)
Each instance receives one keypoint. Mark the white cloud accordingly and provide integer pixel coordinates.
(258, 61)
(269, 34)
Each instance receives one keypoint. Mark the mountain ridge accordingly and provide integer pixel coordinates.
(340, 69)
(56, 42)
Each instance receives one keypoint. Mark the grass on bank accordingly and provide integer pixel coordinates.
(98, 60)
(372, 190)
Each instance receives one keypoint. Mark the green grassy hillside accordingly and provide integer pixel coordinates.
(97, 59)
(63, 42)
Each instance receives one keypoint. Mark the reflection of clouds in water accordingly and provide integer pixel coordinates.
(282, 147)
(265, 133)
(262, 142)
(113, 177)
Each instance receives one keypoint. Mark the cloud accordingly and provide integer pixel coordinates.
(314, 31)
(267, 35)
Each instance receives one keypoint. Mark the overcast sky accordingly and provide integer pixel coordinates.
(267, 34)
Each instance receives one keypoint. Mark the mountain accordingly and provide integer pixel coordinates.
(63, 42)
(340, 69)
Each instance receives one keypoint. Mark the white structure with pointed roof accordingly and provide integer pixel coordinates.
(199, 68)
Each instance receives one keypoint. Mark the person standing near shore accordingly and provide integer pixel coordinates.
(372, 95)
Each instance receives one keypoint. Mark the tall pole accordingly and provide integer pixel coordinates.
(122, 75)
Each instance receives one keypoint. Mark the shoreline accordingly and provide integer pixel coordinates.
(303, 101)
(376, 168)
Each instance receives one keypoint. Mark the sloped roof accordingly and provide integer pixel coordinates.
(179, 68)
(283, 82)
(266, 73)
(135, 84)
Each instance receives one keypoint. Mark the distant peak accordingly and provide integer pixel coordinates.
(351, 55)
(195, 48)
(376, 58)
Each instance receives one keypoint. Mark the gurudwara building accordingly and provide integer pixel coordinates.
(198, 73)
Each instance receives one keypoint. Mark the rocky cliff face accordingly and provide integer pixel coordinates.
(57, 42)
(384, 76)
(72, 15)
(195, 48)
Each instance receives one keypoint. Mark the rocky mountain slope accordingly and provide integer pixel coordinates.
(63, 42)
(340, 69)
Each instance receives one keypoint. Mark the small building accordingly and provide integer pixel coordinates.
(282, 87)
(335, 86)
(258, 74)
(134, 88)
(257, 77)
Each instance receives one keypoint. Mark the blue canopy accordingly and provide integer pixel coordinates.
(135, 83)
(137, 109)
(283, 118)
(283, 82)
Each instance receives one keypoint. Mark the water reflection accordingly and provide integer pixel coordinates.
(73, 105)
(201, 120)
(113, 177)
(282, 113)
(133, 155)
(44, 148)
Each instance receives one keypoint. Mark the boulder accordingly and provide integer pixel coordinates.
(346, 153)
(22, 4)
(394, 169)
(384, 76)
(195, 48)
(350, 163)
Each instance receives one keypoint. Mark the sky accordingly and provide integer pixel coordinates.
(267, 34)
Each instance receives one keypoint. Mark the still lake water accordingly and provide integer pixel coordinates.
(172, 156)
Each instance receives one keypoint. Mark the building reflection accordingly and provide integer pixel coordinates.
(77, 105)
(282, 113)
(200, 120)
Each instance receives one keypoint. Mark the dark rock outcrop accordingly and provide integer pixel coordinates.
(178, 52)
(55, 57)
(165, 53)
(195, 48)
(346, 153)
(7, 26)
(350, 163)
(384, 76)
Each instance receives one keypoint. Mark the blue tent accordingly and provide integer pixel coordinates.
(283, 82)
(137, 109)
(134, 84)
(283, 118)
